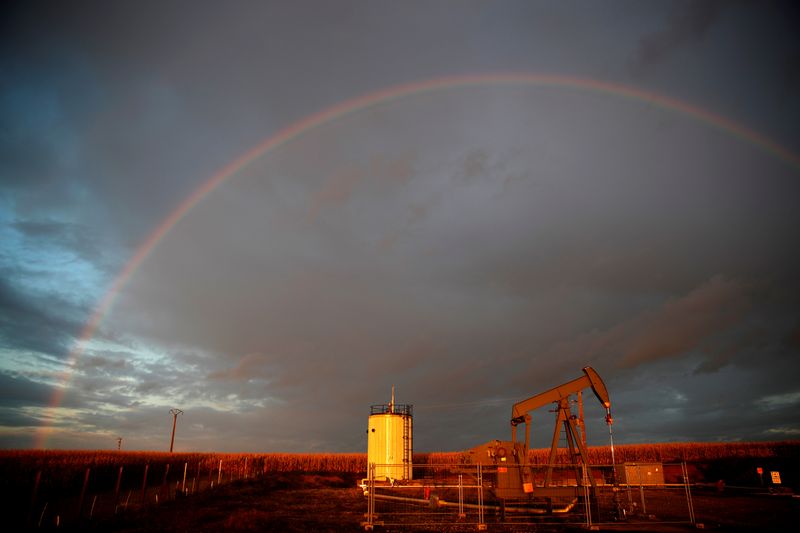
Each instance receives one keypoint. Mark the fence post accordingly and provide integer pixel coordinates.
(41, 516)
(36, 480)
(688, 491)
(461, 513)
(164, 487)
(83, 493)
(369, 525)
(219, 473)
(144, 483)
(371, 502)
(481, 522)
(641, 489)
(587, 498)
(183, 485)
(116, 489)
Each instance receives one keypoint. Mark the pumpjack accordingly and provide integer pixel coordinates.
(515, 479)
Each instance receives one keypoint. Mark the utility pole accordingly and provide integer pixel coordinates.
(119, 443)
(174, 413)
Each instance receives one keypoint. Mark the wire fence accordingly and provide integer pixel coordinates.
(476, 496)
(439, 495)
(131, 488)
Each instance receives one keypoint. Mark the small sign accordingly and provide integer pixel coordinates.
(527, 487)
(776, 477)
(502, 469)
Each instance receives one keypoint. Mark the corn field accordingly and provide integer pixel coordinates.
(643, 453)
(66, 467)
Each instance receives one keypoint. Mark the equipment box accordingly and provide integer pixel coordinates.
(640, 474)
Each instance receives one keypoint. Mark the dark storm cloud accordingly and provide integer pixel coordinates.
(31, 398)
(676, 328)
(24, 160)
(669, 403)
(14, 418)
(35, 322)
(472, 246)
(81, 120)
(499, 287)
(47, 96)
(18, 391)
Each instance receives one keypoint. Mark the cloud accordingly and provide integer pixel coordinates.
(13, 417)
(18, 391)
(96, 362)
(688, 25)
(476, 165)
(671, 402)
(489, 280)
(251, 366)
(446, 241)
(336, 191)
(676, 327)
(783, 432)
(776, 401)
(86, 243)
(683, 323)
(339, 187)
(794, 337)
(35, 322)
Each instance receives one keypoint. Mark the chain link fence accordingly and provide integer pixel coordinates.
(477, 496)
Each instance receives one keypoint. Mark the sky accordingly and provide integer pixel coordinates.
(188, 220)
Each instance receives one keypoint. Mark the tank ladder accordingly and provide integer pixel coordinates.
(407, 447)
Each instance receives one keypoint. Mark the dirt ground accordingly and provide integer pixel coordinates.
(281, 503)
(322, 503)
(726, 512)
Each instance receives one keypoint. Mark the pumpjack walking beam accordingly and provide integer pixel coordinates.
(560, 396)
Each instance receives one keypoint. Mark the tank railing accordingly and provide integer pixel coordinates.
(385, 409)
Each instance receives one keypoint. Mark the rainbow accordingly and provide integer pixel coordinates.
(361, 103)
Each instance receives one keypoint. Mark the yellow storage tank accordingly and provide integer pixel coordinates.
(389, 441)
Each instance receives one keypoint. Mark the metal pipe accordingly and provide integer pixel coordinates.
(610, 422)
(445, 503)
